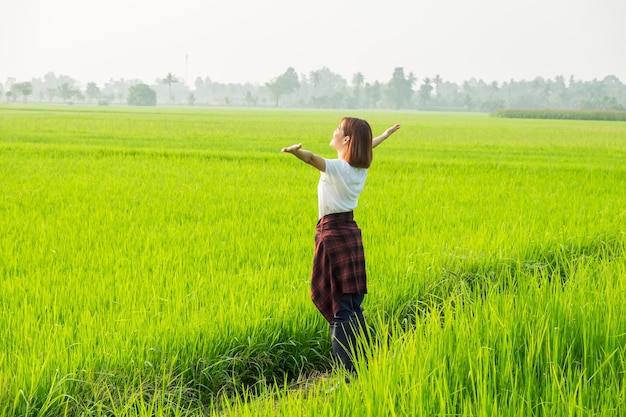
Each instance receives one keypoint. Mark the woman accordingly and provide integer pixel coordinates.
(338, 282)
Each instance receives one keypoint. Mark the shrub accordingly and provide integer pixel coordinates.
(141, 95)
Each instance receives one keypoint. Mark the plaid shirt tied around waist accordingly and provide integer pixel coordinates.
(338, 264)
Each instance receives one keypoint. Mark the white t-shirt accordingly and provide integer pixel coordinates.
(339, 187)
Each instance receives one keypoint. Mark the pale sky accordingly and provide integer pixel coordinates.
(256, 40)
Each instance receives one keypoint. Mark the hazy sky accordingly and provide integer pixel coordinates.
(256, 40)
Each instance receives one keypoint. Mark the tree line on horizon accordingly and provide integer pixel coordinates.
(325, 89)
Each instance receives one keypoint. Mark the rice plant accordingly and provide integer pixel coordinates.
(157, 263)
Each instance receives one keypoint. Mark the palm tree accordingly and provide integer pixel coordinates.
(424, 92)
(65, 91)
(316, 78)
(437, 80)
(169, 80)
(411, 79)
(357, 81)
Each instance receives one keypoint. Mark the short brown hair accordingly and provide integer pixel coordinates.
(359, 151)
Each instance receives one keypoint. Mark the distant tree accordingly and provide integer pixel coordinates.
(373, 93)
(66, 91)
(315, 77)
(199, 83)
(606, 103)
(117, 90)
(284, 84)
(169, 80)
(400, 88)
(51, 93)
(50, 79)
(92, 92)
(24, 90)
(330, 89)
(423, 95)
(559, 97)
(357, 81)
(411, 79)
(15, 91)
(469, 91)
(8, 91)
(540, 91)
(437, 80)
(78, 95)
(249, 99)
(141, 95)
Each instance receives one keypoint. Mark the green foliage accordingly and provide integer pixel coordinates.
(400, 88)
(169, 80)
(67, 91)
(141, 95)
(284, 84)
(24, 89)
(604, 115)
(157, 263)
(92, 91)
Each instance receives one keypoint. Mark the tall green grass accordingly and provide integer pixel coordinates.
(523, 347)
(157, 263)
(606, 115)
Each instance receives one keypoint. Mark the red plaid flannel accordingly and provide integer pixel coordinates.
(339, 262)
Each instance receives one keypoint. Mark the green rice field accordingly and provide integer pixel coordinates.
(156, 262)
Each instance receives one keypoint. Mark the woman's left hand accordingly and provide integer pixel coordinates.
(292, 148)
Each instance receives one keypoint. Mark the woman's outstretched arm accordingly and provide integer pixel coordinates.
(379, 139)
(306, 156)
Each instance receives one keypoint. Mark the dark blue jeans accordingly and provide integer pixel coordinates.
(350, 308)
(348, 324)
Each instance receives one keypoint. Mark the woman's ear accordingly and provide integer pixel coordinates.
(346, 139)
